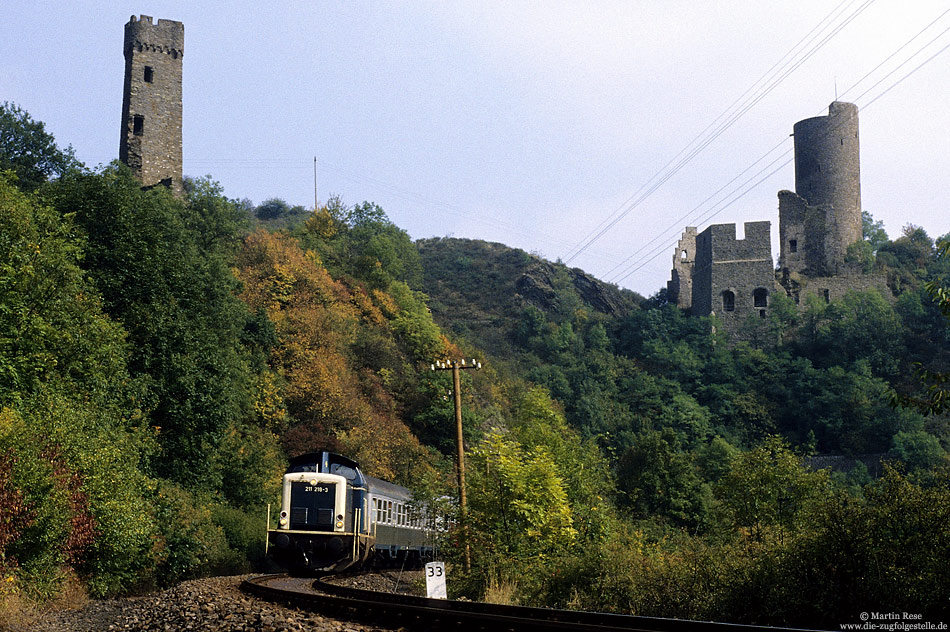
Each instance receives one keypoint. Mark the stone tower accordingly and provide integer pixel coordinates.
(151, 104)
(822, 217)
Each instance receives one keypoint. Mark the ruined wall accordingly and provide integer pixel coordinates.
(733, 278)
(832, 288)
(150, 142)
(679, 288)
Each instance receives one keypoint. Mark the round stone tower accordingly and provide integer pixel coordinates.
(828, 174)
(150, 143)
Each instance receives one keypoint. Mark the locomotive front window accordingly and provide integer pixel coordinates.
(342, 470)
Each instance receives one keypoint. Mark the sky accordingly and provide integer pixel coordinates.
(533, 124)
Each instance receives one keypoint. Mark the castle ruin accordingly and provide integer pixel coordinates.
(150, 142)
(716, 274)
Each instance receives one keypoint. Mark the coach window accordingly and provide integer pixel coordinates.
(728, 301)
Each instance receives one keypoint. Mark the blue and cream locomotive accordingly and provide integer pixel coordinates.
(333, 517)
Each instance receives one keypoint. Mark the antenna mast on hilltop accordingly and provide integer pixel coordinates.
(316, 200)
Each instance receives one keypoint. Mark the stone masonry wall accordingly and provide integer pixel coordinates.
(833, 288)
(733, 278)
(679, 288)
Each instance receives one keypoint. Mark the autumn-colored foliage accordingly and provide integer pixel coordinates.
(328, 332)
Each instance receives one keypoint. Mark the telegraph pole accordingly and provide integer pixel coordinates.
(456, 366)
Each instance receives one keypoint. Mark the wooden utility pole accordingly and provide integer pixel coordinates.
(456, 366)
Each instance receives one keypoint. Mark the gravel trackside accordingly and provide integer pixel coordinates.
(214, 604)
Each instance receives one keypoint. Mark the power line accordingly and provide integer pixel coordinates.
(665, 174)
(677, 224)
(608, 222)
(652, 254)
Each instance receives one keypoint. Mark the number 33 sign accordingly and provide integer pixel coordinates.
(435, 580)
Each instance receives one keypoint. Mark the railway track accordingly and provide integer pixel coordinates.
(420, 613)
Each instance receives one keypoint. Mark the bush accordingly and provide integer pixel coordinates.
(190, 543)
(244, 534)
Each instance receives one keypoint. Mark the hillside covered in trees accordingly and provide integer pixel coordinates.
(161, 358)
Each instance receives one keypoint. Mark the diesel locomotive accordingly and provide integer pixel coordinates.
(333, 517)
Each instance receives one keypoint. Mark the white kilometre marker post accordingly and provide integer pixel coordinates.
(435, 581)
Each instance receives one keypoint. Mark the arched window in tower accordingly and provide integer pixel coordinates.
(728, 301)
(760, 297)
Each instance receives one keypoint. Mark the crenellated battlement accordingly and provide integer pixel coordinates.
(167, 36)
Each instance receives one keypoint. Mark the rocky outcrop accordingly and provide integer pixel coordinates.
(538, 287)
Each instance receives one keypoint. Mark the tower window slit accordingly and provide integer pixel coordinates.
(149, 73)
(138, 124)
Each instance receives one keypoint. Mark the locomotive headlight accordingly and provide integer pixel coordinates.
(313, 482)
(283, 514)
(283, 522)
(339, 524)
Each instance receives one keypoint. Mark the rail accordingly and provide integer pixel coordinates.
(412, 612)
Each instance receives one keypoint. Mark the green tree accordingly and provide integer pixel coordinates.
(658, 478)
(52, 329)
(71, 418)
(918, 450)
(27, 149)
(518, 505)
(161, 268)
(768, 487)
(873, 232)
(858, 326)
(539, 423)
(936, 383)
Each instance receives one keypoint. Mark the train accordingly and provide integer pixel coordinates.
(333, 518)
